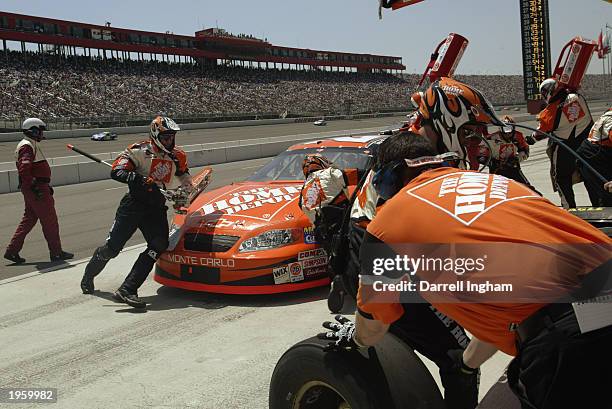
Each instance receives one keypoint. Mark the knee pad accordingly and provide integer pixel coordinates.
(105, 253)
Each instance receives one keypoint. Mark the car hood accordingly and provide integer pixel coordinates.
(243, 207)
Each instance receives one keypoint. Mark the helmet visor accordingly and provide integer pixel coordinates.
(167, 139)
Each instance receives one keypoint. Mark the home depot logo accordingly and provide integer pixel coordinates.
(313, 195)
(243, 201)
(161, 170)
(573, 111)
(466, 196)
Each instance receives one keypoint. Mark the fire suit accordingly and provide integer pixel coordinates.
(508, 151)
(324, 199)
(597, 151)
(322, 188)
(145, 169)
(34, 178)
(567, 116)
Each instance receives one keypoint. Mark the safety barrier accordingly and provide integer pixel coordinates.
(84, 170)
(77, 133)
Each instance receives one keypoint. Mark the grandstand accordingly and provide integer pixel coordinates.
(213, 75)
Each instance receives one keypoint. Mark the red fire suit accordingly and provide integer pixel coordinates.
(34, 177)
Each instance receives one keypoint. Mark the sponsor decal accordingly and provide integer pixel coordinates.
(309, 237)
(281, 275)
(161, 170)
(315, 271)
(314, 262)
(221, 223)
(199, 261)
(313, 195)
(452, 90)
(319, 252)
(573, 111)
(442, 53)
(466, 196)
(295, 272)
(568, 70)
(239, 202)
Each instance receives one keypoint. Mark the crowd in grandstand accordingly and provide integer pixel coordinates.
(50, 86)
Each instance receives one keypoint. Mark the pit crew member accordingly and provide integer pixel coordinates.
(567, 116)
(34, 179)
(597, 151)
(547, 338)
(145, 167)
(509, 149)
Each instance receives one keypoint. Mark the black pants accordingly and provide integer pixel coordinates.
(435, 335)
(429, 332)
(562, 368)
(563, 165)
(514, 173)
(131, 215)
(600, 158)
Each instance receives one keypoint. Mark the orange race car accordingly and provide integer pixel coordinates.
(251, 237)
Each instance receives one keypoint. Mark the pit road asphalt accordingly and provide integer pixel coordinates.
(188, 350)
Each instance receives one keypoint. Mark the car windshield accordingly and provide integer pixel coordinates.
(288, 165)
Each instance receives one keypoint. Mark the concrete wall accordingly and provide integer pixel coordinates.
(77, 133)
(198, 155)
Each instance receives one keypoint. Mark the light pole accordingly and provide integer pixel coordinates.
(609, 54)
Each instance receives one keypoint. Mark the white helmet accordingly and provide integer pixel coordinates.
(547, 87)
(33, 127)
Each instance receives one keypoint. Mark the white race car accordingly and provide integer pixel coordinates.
(320, 122)
(104, 136)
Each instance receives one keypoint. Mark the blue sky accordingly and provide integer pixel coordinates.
(492, 26)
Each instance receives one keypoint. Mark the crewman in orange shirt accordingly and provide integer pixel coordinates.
(546, 256)
(567, 116)
(543, 252)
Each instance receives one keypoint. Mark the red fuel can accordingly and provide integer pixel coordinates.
(576, 56)
(445, 58)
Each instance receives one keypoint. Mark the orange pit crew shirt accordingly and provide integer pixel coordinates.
(431, 209)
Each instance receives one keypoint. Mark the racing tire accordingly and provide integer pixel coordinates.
(308, 377)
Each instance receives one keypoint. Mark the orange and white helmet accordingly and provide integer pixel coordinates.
(448, 105)
(313, 162)
(162, 126)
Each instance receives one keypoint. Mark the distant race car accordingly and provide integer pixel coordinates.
(104, 136)
(251, 237)
(320, 122)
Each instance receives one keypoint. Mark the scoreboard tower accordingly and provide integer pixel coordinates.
(535, 36)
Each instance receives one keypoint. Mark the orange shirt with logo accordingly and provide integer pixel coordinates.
(448, 205)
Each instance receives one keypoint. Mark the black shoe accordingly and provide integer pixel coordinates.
(15, 258)
(87, 284)
(130, 299)
(64, 255)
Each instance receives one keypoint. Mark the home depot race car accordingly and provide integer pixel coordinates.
(251, 237)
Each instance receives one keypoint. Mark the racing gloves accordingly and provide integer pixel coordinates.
(341, 336)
